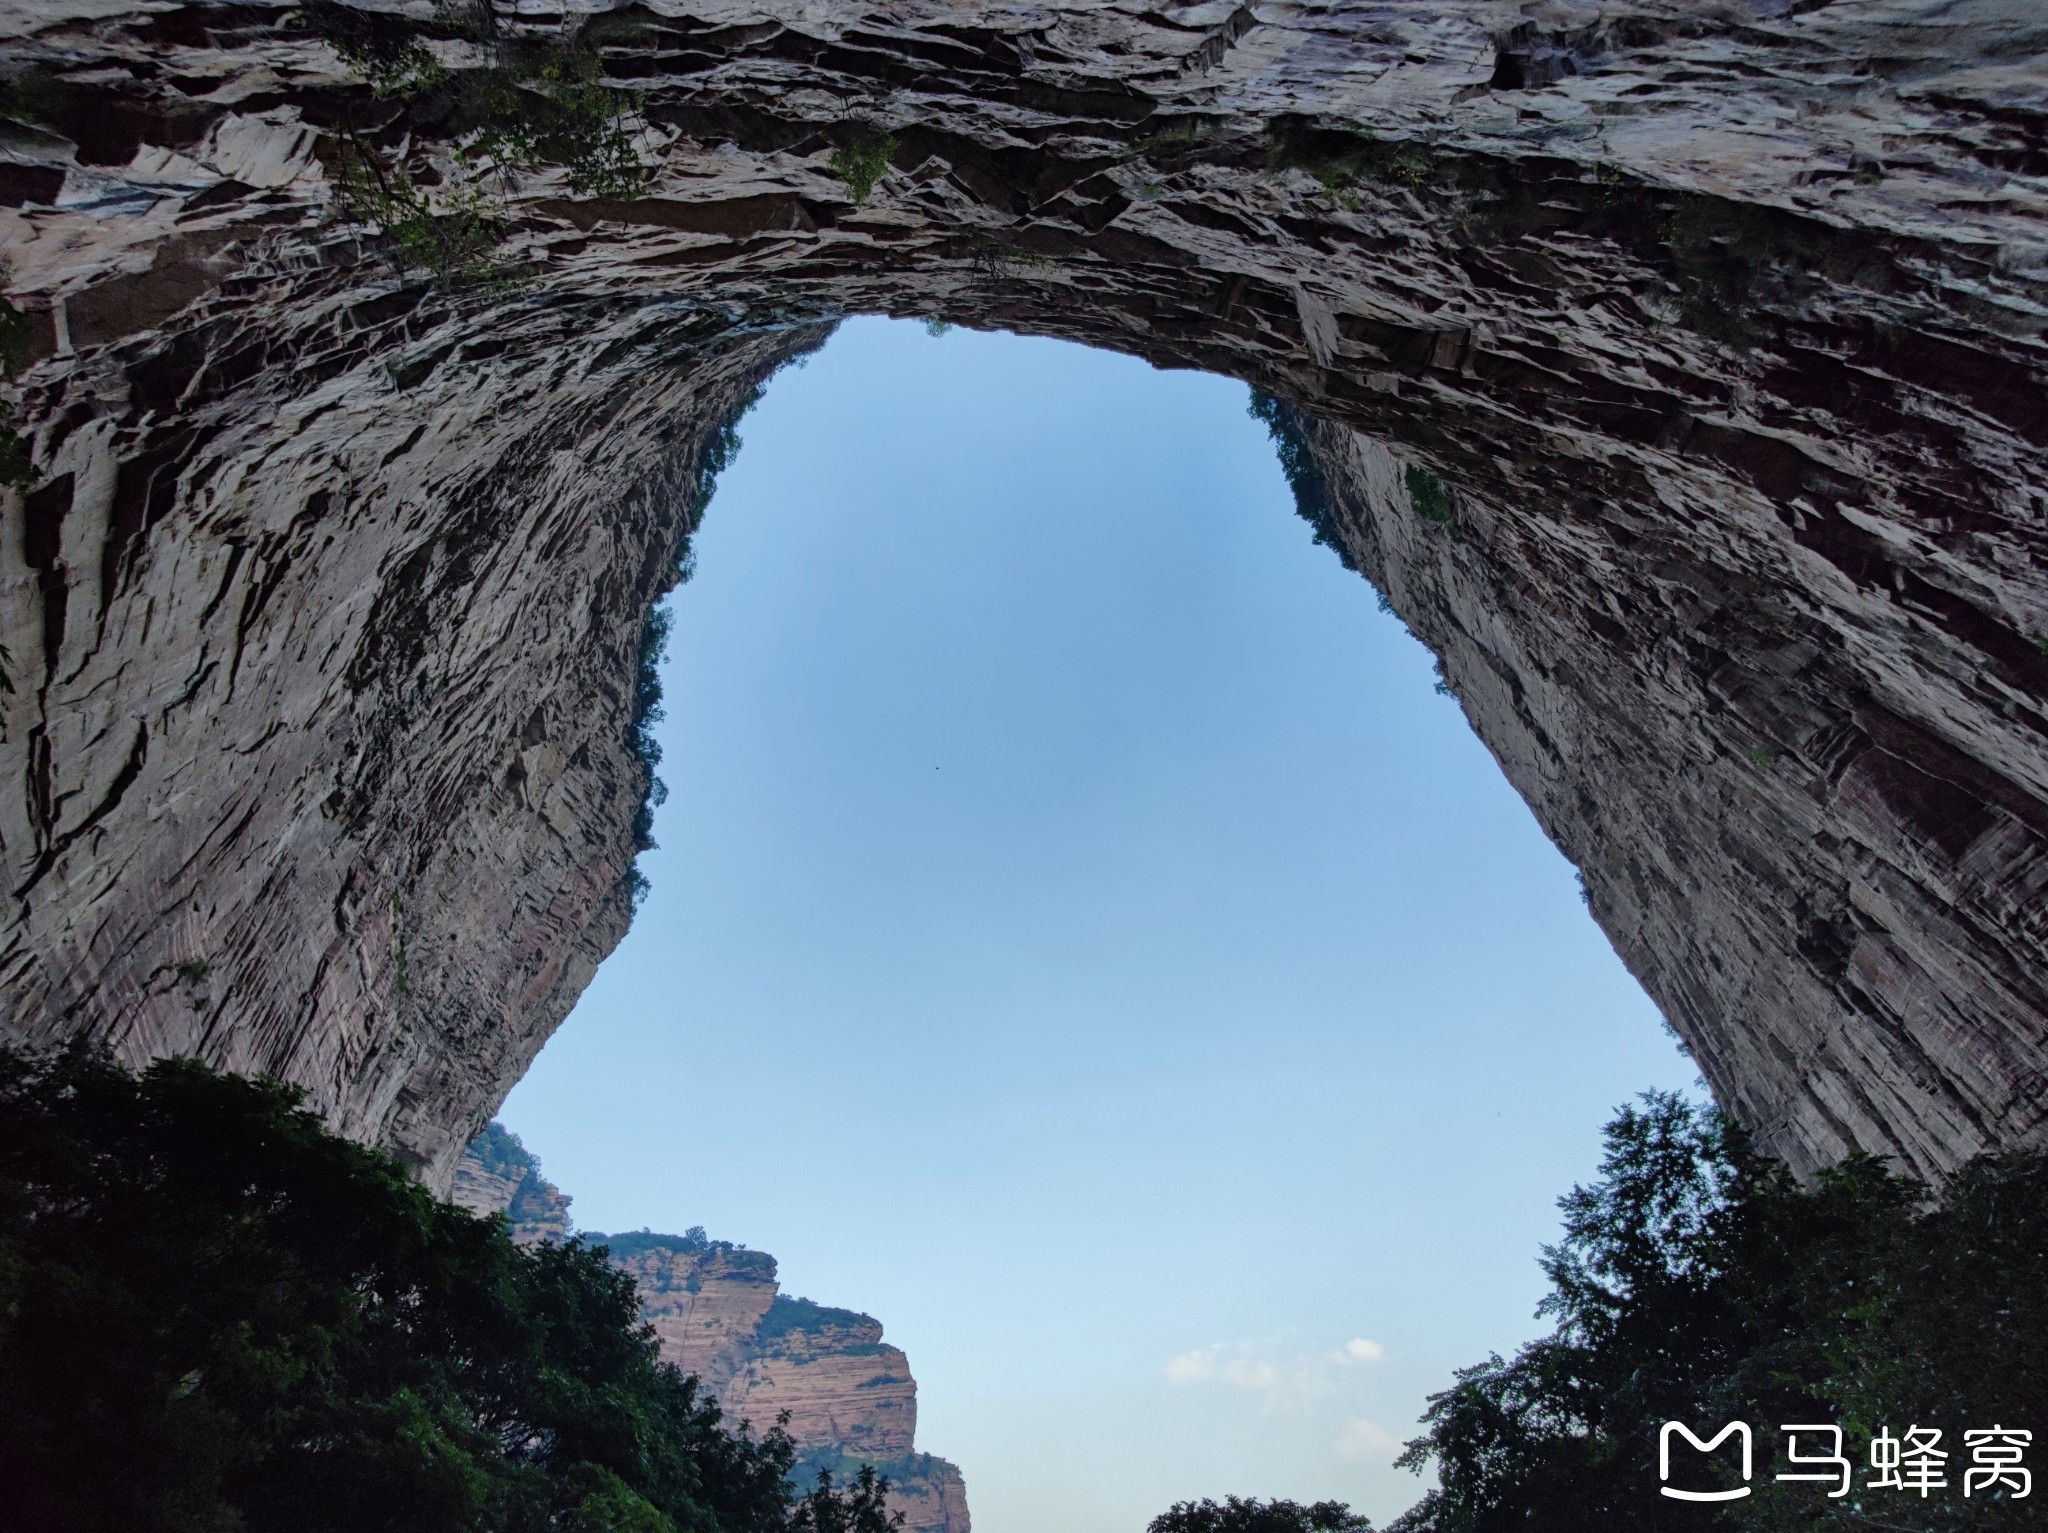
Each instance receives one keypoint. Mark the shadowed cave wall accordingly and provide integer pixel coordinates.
(1675, 371)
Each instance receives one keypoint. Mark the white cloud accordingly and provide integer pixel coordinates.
(1206, 1365)
(1282, 1379)
(1359, 1350)
(1250, 1373)
(1196, 1367)
(1362, 1439)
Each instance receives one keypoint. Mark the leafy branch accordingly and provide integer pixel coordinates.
(862, 160)
(452, 236)
(535, 103)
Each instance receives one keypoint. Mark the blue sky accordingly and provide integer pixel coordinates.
(1082, 937)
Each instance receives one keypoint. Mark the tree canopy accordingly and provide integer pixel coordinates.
(1699, 1282)
(1235, 1514)
(217, 1317)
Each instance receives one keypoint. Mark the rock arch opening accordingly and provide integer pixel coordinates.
(344, 499)
(1070, 884)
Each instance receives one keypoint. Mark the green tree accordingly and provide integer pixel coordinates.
(863, 1507)
(1298, 463)
(1236, 1514)
(1699, 1282)
(216, 1316)
(862, 159)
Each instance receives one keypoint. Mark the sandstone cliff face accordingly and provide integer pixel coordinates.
(1699, 758)
(496, 1175)
(1719, 325)
(831, 1372)
(705, 1302)
(718, 1313)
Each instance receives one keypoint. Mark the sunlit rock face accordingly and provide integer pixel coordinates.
(497, 1175)
(844, 1396)
(1712, 335)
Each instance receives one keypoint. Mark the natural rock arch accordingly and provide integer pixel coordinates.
(1723, 333)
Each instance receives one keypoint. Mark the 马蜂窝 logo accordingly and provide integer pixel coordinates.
(1915, 1463)
(1736, 1429)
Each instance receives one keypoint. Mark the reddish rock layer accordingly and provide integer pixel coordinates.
(847, 1396)
(840, 1385)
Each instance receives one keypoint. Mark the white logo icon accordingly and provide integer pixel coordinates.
(1733, 1429)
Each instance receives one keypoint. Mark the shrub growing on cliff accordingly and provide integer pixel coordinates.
(214, 1315)
(647, 713)
(719, 451)
(451, 232)
(503, 1153)
(692, 1242)
(1699, 1282)
(715, 457)
(1345, 160)
(862, 159)
(385, 49)
(1298, 464)
(545, 104)
(535, 101)
(1427, 497)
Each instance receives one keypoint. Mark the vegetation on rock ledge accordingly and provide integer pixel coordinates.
(503, 1153)
(713, 460)
(862, 160)
(534, 102)
(1427, 496)
(692, 1242)
(787, 1316)
(1298, 463)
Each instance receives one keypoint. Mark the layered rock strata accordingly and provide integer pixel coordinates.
(1711, 334)
(497, 1175)
(845, 1396)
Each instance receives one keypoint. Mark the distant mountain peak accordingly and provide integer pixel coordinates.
(718, 1312)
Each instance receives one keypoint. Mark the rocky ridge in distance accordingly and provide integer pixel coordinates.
(718, 1313)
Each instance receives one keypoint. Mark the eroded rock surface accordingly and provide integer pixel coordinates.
(1720, 327)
